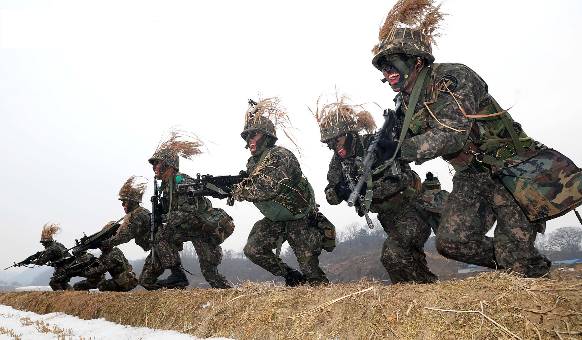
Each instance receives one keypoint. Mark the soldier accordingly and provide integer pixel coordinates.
(187, 218)
(277, 187)
(54, 251)
(447, 112)
(82, 265)
(113, 261)
(406, 210)
(136, 226)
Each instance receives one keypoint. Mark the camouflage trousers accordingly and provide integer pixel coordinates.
(90, 282)
(402, 253)
(206, 244)
(304, 239)
(476, 202)
(122, 282)
(60, 280)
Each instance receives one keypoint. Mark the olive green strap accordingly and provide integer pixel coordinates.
(414, 97)
(508, 123)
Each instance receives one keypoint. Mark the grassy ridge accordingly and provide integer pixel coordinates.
(488, 306)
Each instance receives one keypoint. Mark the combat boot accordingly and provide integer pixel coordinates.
(294, 278)
(177, 279)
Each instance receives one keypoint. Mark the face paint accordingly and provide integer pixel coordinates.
(343, 145)
(396, 69)
(254, 142)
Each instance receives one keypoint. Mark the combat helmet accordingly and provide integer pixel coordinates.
(179, 143)
(48, 230)
(258, 117)
(409, 29)
(338, 118)
(132, 190)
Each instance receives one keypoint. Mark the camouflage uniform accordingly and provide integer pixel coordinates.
(193, 219)
(457, 119)
(279, 190)
(55, 251)
(87, 262)
(406, 212)
(136, 226)
(122, 276)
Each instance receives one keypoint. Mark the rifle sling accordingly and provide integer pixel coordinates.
(414, 97)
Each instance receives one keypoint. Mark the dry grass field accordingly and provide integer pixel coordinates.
(487, 306)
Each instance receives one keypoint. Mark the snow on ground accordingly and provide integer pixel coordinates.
(15, 324)
(33, 289)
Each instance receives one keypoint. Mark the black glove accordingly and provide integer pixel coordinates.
(343, 191)
(385, 149)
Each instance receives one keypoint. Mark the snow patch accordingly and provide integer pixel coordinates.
(28, 325)
(33, 289)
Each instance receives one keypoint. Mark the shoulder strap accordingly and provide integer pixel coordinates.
(508, 124)
(414, 97)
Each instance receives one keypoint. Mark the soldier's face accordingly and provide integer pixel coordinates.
(253, 142)
(393, 77)
(125, 205)
(400, 72)
(341, 147)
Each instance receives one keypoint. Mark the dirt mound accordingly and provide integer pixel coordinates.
(488, 306)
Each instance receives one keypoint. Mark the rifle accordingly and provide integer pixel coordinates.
(155, 216)
(351, 185)
(29, 260)
(96, 240)
(387, 131)
(75, 265)
(213, 186)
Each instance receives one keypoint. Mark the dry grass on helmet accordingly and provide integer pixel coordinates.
(134, 184)
(49, 229)
(272, 109)
(421, 15)
(339, 112)
(181, 143)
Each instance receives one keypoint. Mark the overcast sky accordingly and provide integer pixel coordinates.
(87, 89)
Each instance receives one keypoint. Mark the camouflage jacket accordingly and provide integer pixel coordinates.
(390, 193)
(56, 251)
(276, 185)
(135, 225)
(181, 208)
(450, 120)
(113, 262)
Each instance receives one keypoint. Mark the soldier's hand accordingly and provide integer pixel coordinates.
(386, 149)
(343, 191)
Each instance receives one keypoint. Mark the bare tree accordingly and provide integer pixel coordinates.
(565, 239)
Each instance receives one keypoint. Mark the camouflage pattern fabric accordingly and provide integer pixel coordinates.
(476, 202)
(304, 239)
(113, 261)
(53, 252)
(456, 119)
(88, 263)
(403, 251)
(545, 186)
(276, 180)
(275, 177)
(401, 209)
(193, 219)
(135, 226)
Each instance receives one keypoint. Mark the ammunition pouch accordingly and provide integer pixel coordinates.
(545, 185)
(319, 221)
